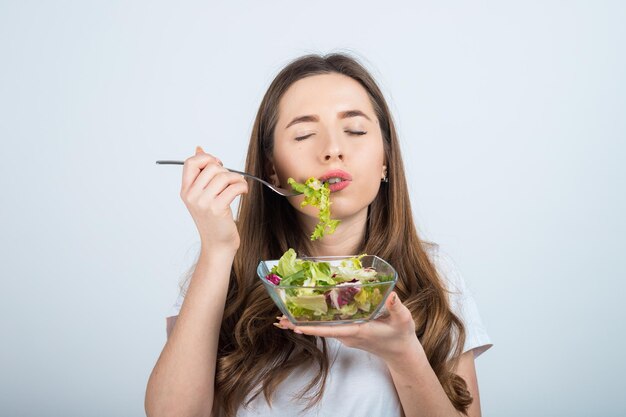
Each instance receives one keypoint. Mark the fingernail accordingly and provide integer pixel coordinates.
(279, 326)
(219, 162)
(393, 299)
(199, 150)
(298, 331)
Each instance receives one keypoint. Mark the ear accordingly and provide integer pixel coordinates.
(273, 176)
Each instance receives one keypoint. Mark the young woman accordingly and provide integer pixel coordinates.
(228, 354)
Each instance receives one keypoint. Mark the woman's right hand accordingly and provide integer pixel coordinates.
(208, 189)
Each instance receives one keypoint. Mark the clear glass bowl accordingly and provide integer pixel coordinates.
(323, 310)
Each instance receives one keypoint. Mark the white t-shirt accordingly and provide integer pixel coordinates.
(362, 373)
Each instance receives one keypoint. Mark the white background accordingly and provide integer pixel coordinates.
(511, 118)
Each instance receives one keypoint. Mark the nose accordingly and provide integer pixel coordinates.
(333, 149)
(330, 156)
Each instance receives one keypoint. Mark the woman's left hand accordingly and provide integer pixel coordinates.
(388, 337)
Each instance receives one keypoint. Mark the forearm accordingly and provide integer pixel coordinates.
(418, 387)
(182, 382)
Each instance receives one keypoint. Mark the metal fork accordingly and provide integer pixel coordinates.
(277, 190)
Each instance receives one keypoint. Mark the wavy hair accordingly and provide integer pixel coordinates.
(252, 357)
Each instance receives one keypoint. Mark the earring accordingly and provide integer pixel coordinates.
(384, 178)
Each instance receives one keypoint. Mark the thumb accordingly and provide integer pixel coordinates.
(393, 303)
(199, 150)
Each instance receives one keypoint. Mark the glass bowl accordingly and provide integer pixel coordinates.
(348, 302)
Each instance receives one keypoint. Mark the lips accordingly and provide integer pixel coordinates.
(339, 179)
(336, 173)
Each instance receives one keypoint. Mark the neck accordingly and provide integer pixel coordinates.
(345, 241)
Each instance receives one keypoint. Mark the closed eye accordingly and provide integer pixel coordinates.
(304, 137)
(350, 132)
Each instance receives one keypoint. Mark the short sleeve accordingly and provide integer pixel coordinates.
(172, 314)
(463, 304)
(175, 308)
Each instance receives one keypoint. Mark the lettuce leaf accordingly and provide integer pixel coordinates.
(362, 301)
(348, 310)
(351, 269)
(317, 194)
(309, 274)
(320, 273)
(286, 264)
(315, 303)
(293, 279)
(354, 262)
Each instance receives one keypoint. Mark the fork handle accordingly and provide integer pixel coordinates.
(170, 162)
(245, 174)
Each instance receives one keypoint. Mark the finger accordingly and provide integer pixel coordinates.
(199, 150)
(344, 330)
(222, 179)
(192, 167)
(229, 194)
(204, 178)
(398, 312)
(392, 301)
(284, 323)
(223, 188)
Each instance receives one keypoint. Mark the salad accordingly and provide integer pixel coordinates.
(321, 291)
(317, 194)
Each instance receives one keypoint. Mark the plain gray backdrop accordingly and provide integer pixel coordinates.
(511, 120)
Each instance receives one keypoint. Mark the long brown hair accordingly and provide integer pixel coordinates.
(253, 357)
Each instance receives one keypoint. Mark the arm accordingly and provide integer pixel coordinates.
(419, 390)
(418, 387)
(467, 370)
(182, 381)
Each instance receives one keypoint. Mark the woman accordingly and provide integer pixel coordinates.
(323, 117)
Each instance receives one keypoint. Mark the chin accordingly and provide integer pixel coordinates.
(350, 203)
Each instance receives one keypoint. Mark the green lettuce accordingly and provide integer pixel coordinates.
(317, 194)
(363, 300)
(305, 302)
(294, 271)
(286, 264)
(315, 303)
(354, 262)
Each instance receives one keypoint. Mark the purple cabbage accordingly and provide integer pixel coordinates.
(341, 295)
(273, 278)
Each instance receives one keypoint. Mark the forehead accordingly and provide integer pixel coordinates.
(323, 94)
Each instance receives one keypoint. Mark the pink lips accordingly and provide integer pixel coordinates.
(338, 186)
(337, 173)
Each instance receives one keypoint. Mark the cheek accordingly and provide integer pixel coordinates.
(371, 189)
(371, 159)
(281, 164)
(288, 164)
(284, 171)
(309, 210)
(371, 171)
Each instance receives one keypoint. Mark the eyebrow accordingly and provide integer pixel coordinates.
(315, 118)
